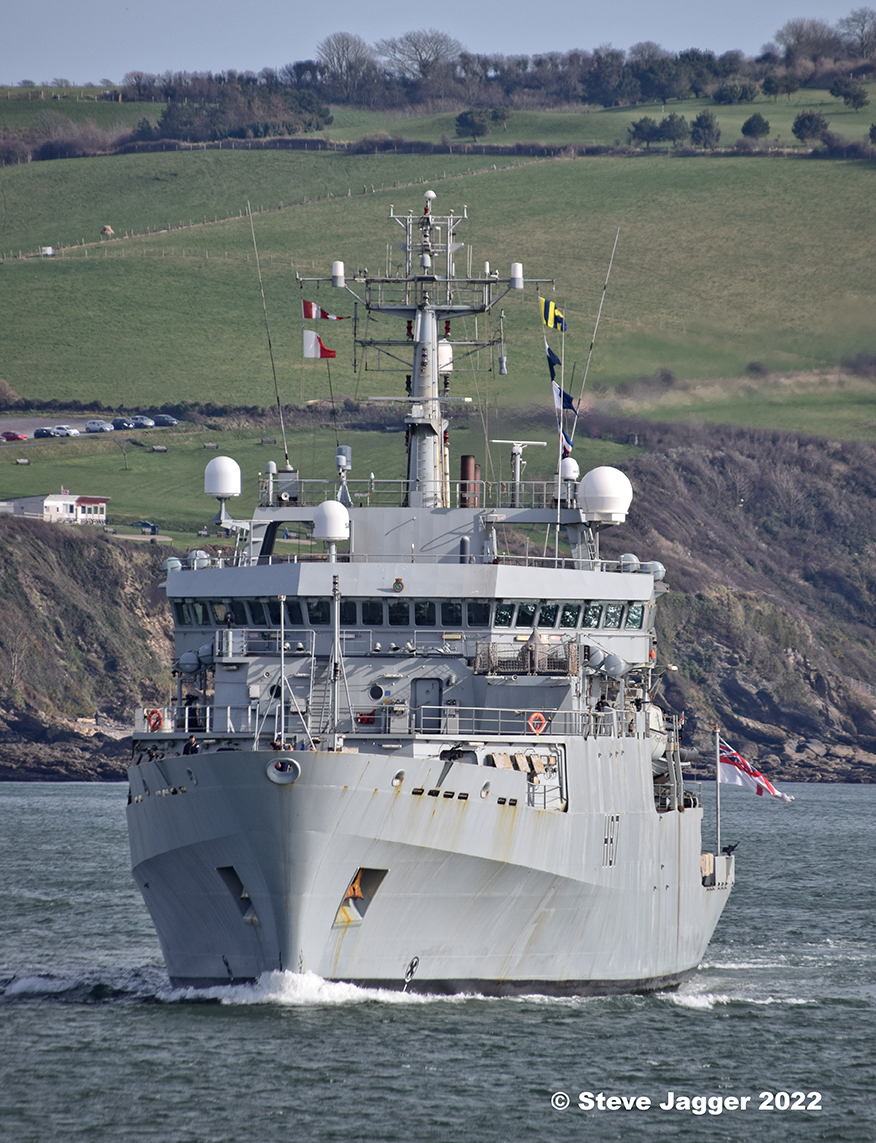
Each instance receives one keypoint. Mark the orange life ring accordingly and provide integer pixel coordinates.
(536, 722)
(154, 720)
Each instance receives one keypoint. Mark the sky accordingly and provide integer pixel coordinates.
(92, 40)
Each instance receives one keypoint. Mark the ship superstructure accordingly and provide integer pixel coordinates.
(401, 754)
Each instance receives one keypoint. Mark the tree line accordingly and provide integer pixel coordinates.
(427, 65)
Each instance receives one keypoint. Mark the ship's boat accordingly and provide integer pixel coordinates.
(404, 751)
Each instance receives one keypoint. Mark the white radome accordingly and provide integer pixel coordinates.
(222, 478)
(605, 494)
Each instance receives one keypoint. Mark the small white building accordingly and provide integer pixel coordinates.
(59, 508)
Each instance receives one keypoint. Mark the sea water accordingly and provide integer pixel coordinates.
(773, 1039)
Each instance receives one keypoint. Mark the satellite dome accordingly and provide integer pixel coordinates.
(629, 562)
(222, 478)
(615, 666)
(654, 568)
(331, 522)
(189, 663)
(605, 494)
(569, 469)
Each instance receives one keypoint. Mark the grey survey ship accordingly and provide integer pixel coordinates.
(422, 761)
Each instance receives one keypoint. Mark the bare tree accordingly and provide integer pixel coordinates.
(805, 39)
(647, 51)
(416, 55)
(347, 60)
(858, 30)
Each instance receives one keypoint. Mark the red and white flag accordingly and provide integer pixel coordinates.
(310, 311)
(313, 346)
(735, 771)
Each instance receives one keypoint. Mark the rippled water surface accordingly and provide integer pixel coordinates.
(97, 1046)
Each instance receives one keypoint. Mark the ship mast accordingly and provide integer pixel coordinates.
(427, 295)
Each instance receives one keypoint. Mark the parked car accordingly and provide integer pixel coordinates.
(10, 436)
(43, 432)
(66, 431)
(123, 423)
(99, 426)
(165, 420)
(142, 422)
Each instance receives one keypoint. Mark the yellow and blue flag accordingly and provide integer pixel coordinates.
(551, 316)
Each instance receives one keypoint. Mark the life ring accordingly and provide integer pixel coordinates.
(154, 720)
(536, 722)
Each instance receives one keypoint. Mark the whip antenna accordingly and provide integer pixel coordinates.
(268, 331)
(595, 328)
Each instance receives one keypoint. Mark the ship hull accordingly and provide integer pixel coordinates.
(412, 872)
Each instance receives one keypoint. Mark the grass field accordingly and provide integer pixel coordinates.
(609, 126)
(77, 105)
(605, 126)
(721, 261)
(168, 488)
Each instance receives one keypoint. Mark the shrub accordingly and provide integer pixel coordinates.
(704, 131)
(736, 91)
(756, 127)
(809, 125)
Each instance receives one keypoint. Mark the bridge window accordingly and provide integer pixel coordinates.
(294, 613)
(372, 612)
(635, 615)
(257, 613)
(613, 614)
(424, 613)
(319, 612)
(183, 614)
(504, 613)
(592, 615)
(348, 612)
(399, 612)
(238, 612)
(525, 614)
(219, 612)
(569, 615)
(451, 614)
(200, 612)
(478, 612)
(547, 614)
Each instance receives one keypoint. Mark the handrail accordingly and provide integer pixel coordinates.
(391, 720)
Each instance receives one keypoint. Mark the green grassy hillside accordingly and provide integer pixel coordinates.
(721, 261)
(609, 126)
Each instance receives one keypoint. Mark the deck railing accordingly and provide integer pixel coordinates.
(390, 720)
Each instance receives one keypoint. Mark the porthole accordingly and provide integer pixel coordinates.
(376, 692)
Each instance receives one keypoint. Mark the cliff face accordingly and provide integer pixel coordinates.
(770, 547)
(84, 628)
(769, 542)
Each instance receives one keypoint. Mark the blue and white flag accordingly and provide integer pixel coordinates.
(553, 360)
(562, 400)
